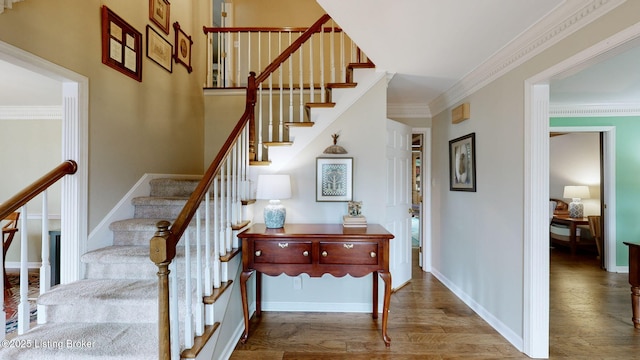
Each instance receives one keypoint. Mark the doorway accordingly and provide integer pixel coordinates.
(75, 115)
(421, 195)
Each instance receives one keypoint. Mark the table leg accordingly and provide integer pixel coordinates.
(386, 277)
(635, 306)
(374, 313)
(245, 306)
(258, 293)
(572, 238)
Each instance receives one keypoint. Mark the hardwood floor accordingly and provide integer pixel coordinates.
(590, 315)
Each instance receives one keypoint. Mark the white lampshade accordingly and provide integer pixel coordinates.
(576, 192)
(273, 187)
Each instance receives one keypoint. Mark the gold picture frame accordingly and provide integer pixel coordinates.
(159, 14)
(159, 49)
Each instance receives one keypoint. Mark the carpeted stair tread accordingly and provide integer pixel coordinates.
(173, 187)
(104, 341)
(102, 300)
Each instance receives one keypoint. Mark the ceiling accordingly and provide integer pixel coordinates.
(430, 45)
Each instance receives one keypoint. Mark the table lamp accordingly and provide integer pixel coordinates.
(274, 188)
(576, 193)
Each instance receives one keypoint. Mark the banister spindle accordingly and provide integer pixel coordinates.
(332, 50)
(301, 84)
(322, 94)
(189, 331)
(23, 306)
(280, 90)
(162, 254)
(216, 233)
(291, 83)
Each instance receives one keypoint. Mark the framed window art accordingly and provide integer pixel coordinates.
(159, 49)
(159, 14)
(334, 179)
(121, 45)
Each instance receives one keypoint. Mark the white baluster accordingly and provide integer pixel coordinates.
(234, 188)
(291, 83)
(188, 314)
(321, 50)
(199, 316)
(312, 90)
(216, 234)
(208, 281)
(332, 54)
(280, 89)
(174, 311)
(259, 104)
(45, 268)
(239, 47)
(343, 65)
(270, 128)
(301, 75)
(23, 306)
(228, 207)
(223, 247)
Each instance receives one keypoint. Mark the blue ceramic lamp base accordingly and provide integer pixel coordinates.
(274, 215)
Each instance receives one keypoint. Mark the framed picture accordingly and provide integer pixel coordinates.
(462, 163)
(183, 47)
(121, 45)
(334, 179)
(159, 14)
(159, 49)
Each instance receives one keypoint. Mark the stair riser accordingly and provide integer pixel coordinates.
(173, 187)
(133, 271)
(167, 211)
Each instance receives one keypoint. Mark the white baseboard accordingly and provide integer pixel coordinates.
(316, 307)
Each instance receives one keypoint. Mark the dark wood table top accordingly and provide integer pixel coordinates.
(316, 230)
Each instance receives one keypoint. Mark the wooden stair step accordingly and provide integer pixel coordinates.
(217, 292)
(259, 163)
(299, 124)
(320, 105)
(345, 85)
(277, 143)
(241, 224)
(352, 66)
(200, 341)
(230, 255)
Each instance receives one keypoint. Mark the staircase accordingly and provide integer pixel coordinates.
(7, 4)
(113, 312)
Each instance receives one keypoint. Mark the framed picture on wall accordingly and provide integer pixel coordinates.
(121, 45)
(159, 14)
(183, 47)
(159, 49)
(462, 163)
(334, 179)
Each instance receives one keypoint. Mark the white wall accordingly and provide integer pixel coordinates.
(575, 160)
(363, 135)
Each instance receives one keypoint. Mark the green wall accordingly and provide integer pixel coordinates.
(627, 175)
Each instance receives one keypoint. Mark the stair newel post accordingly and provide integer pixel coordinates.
(251, 103)
(161, 252)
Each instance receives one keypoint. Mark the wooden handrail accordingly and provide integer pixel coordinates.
(292, 48)
(207, 29)
(38, 186)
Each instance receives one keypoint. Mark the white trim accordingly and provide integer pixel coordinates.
(408, 111)
(317, 307)
(16, 265)
(594, 110)
(53, 112)
(486, 315)
(563, 21)
(75, 120)
(538, 171)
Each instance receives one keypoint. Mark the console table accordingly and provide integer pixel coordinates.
(634, 281)
(316, 249)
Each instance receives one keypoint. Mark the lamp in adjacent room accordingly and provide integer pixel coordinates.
(576, 193)
(274, 188)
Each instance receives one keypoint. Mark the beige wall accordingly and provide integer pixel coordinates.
(294, 13)
(153, 126)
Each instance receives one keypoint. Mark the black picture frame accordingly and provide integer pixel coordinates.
(462, 163)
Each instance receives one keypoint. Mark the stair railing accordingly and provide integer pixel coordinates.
(19, 203)
(225, 184)
(291, 81)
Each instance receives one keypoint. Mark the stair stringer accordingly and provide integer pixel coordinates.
(323, 117)
(228, 312)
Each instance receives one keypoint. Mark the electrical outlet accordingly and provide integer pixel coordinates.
(297, 283)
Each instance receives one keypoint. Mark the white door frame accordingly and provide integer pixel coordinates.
(75, 115)
(425, 213)
(536, 189)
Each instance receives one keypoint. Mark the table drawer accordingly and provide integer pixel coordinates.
(356, 253)
(282, 252)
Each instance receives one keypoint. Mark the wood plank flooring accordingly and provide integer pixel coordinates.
(590, 318)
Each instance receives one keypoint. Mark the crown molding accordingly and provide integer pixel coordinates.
(31, 112)
(408, 111)
(565, 20)
(594, 110)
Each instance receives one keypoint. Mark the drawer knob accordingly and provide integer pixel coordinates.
(324, 254)
(373, 254)
(258, 252)
(305, 253)
(348, 246)
(283, 245)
